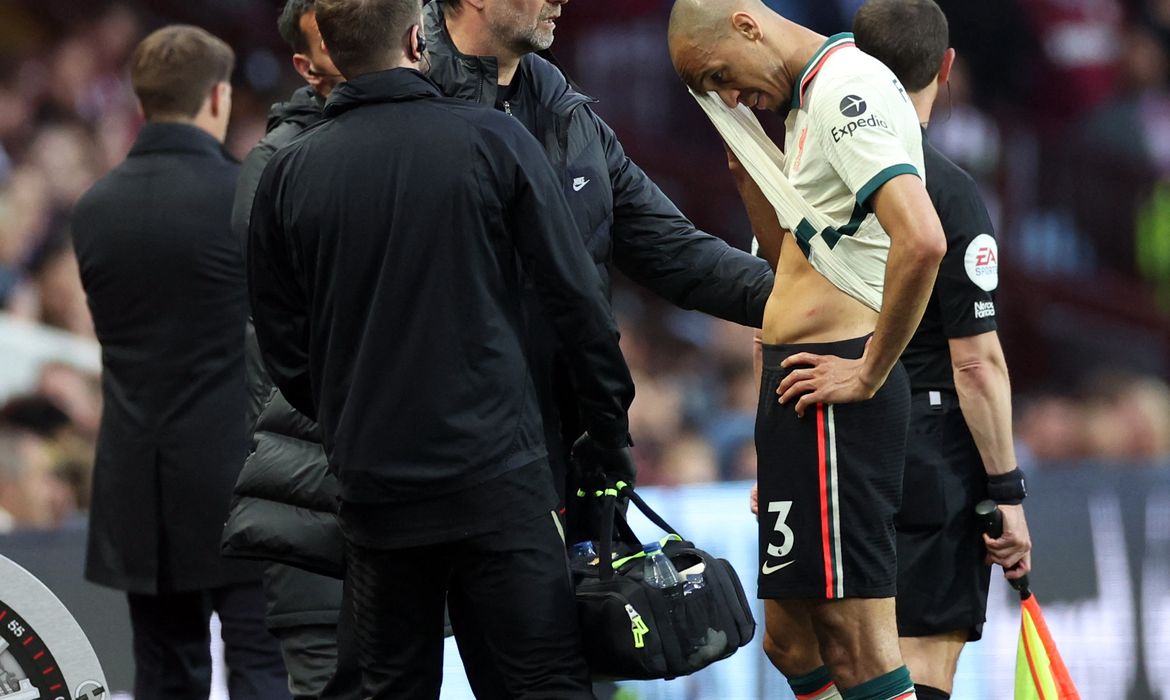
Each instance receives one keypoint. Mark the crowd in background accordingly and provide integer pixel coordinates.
(1060, 110)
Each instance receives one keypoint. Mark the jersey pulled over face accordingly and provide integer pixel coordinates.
(851, 129)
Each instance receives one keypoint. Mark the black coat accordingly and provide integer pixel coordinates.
(396, 322)
(165, 282)
(628, 222)
(624, 219)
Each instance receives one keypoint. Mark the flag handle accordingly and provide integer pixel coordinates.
(991, 520)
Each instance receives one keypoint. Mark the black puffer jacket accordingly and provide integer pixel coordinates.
(285, 498)
(625, 221)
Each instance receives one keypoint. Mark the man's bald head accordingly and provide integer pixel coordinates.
(733, 47)
(700, 18)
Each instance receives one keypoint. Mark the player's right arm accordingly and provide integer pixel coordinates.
(766, 228)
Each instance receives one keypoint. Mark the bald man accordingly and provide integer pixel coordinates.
(834, 406)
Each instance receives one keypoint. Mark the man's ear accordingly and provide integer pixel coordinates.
(220, 95)
(944, 69)
(304, 68)
(746, 25)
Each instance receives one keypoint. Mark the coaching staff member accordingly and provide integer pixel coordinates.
(286, 498)
(960, 445)
(485, 51)
(387, 305)
(165, 283)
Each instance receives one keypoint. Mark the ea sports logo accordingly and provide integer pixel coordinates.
(981, 261)
(852, 106)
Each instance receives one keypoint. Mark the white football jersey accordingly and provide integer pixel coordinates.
(851, 129)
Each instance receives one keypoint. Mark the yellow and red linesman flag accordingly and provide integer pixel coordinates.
(1040, 672)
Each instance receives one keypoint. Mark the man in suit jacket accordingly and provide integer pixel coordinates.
(165, 281)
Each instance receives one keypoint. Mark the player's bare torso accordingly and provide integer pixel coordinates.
(804, 307)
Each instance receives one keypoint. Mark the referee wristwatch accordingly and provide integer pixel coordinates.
(1008, 489)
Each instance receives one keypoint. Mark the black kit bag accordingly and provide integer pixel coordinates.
(633, 631)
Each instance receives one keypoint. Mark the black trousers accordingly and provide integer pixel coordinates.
(172, 640)
(508, 590)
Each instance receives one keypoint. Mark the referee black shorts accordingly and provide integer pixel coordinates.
(942, 580)
(830, 484)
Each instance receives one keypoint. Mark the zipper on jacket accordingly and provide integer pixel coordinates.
(507, 108)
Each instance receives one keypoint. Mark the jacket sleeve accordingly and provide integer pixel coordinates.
(250, 171)
(659, 248)
(571, 290)
(280, 310)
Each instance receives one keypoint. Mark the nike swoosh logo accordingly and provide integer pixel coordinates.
(766, 569)
(579, 185)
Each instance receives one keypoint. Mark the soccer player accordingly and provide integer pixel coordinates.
(831, 452)
(960, 449)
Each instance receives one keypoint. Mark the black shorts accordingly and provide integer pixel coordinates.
(942, 580)
(830, 484)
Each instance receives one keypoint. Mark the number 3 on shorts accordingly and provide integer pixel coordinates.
(781, 508)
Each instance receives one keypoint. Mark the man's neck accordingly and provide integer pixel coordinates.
(805, 44)
(472, 38)
(923, 102)
(203, 122)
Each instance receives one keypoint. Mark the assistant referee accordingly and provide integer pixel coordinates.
(960, 444)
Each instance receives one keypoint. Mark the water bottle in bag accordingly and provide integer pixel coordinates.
(658, 572)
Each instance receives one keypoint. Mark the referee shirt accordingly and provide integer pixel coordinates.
(962, 303)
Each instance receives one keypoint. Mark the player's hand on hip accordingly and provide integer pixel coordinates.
(823, 379)
(1013, 549)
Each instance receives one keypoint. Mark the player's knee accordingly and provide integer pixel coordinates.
(838, 636)
(791, 656)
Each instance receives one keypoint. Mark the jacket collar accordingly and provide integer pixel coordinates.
(174, 137)
(394, 85)
(474, 78)
(305, 104)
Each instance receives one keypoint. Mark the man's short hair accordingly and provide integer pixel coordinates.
(363, 35)
(909, 36)
(289, 24)
(174, 69)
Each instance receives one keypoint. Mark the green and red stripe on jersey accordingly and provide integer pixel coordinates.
(810, 70)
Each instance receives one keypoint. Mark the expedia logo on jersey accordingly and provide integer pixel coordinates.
(854, 107)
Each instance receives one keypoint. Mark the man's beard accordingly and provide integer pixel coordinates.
(536, 39)
(528, 39)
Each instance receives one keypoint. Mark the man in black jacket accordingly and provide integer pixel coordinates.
(622, 216)
(165, 284)
(485, 51)
(387, 305)
(302, 606)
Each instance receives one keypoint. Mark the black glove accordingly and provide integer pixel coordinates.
(604, 463)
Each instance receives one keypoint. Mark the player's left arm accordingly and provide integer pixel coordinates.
(917, 245)
(985, 397)
(865, 130)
